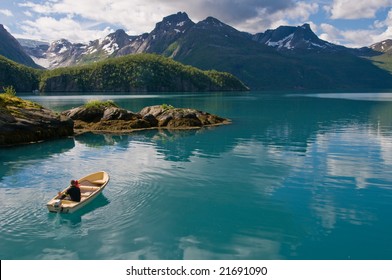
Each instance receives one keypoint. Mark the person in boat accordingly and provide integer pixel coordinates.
(72, 193)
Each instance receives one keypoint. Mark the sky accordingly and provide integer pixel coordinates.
(352, 23)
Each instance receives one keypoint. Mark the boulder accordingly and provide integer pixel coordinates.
(114, 113)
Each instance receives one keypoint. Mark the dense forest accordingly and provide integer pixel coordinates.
(132, 73)
(20, 77)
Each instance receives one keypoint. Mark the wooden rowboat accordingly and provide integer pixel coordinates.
(90, 186)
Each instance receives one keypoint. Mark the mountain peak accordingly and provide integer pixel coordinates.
(174, 18)
(213, 21)
(120, 32)
(115, 41)
(294, 39)
(179, 23)
(166, 32)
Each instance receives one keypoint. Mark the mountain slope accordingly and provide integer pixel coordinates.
(384, 58)
(11, 49)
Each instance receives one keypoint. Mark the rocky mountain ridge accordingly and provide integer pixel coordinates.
(164, 39)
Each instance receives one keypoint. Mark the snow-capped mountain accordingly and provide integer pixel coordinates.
(64, 53)
(290, 38)
(175, 36)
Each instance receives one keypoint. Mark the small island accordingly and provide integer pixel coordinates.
(106, 116)
(23, 121)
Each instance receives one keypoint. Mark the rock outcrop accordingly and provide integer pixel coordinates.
(24, 122)
(114, 119)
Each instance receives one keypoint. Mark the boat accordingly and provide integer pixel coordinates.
(90, 187)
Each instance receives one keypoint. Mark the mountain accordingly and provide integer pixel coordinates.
(384, 57)
(63, 53)
(35, 49)
(290, 38)
(11, 49)
(211, 44)
(301, 39)
(285, 58)
(383, 47)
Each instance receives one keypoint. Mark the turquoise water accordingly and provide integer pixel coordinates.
(294, 177)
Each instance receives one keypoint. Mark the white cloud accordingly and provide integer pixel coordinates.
(330, 33)
(27, 13)
(6, 12)
(356, 9)
(381, 30)
(137, 16)
(349, 38)
(140, 16)
(49, 28)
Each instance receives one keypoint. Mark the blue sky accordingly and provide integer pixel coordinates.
(353, 23)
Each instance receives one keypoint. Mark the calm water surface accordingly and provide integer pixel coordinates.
(294, 177)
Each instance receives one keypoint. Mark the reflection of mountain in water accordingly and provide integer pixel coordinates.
(11, 156)
(297, 120)
(284, 123)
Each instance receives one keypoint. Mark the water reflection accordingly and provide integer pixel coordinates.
(14, 159)
(101, 140)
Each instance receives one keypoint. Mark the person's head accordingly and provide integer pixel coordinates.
(74, 183)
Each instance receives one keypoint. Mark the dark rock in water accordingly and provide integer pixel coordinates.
(151, 120)
(114, 113)
(115, 119)
(25, 125)
(85, 114)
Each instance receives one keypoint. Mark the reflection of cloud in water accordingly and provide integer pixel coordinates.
(353, 153)
(57, 254)
(348, 161)
(268, 165)
(326, 209)
(245, 248)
